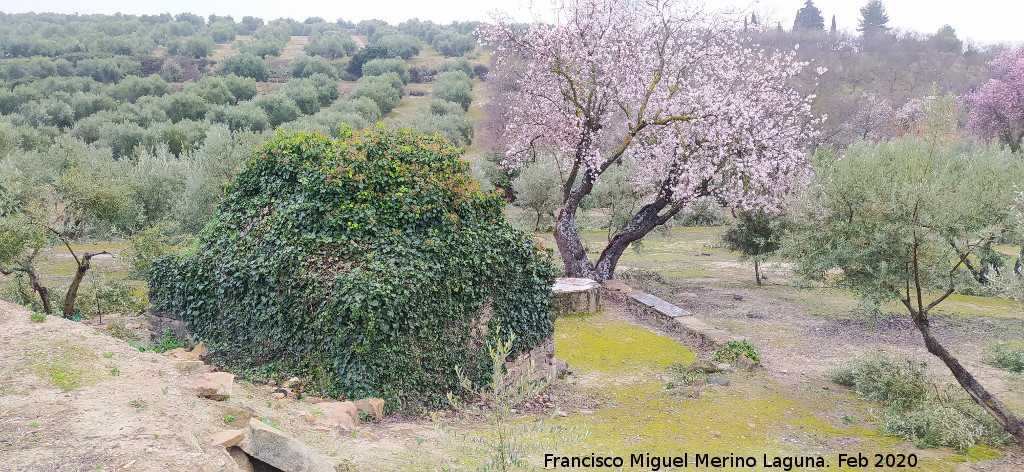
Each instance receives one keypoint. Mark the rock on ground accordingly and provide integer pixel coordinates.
(273, 447)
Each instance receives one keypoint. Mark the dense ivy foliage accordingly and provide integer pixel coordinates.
(368, 262)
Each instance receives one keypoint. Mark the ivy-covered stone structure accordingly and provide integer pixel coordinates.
(372, 265)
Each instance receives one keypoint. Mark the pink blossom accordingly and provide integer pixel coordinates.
(997, 106)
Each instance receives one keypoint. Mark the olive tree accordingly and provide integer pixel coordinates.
(53, 198)
(900, 219)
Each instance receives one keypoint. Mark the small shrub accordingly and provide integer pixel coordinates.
(138, 403)
(506, 446)
(1006, 357)
(733, 350)
(37, 317)
(915, 407)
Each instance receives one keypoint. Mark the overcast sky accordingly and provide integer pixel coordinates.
(984, 21)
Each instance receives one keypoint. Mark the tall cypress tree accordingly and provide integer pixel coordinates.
(833, 23)
(873, 17)
(809, 18)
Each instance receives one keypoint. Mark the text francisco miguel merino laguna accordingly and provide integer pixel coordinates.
(646, 461)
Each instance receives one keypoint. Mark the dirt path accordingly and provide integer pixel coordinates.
(292, 49)
(799, 347)
(75, 399)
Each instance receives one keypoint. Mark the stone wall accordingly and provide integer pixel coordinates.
(543, 357)
(160, 322)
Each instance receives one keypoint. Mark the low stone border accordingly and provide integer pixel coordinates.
(673, 318)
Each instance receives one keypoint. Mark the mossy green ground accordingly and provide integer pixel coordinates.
(626, 366)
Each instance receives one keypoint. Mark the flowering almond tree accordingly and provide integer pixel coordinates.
(997, 106)
(702, 115)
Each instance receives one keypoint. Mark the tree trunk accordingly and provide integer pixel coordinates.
(642, 223)
(39, 288)
(69, 297)
(991, 404)
(757, 272)
(570, 247)
(574, 256)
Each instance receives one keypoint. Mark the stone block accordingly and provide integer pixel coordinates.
(575, 296)
(274, 448)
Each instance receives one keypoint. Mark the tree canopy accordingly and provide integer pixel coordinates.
(997, 106)
(809, 18)
(873, 18)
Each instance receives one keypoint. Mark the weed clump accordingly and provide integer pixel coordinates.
(37, 317)
(506, 446)
(1008, 358)
(734, 349)
(915, 407)
(167, 341)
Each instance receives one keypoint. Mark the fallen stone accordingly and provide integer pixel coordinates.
(719, 381)
(657, 308)
(228, 438)
(371, 406)
(178, 353)
(190, 367)
(199, 351)
(215, 385)
(273, 447)
(279, 395)
(725, 367)
(240, 458)
(339, 414)
(290, 383)
(561, 368)
(193, 355)
(366, 433)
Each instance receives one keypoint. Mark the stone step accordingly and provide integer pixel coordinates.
(660, 309)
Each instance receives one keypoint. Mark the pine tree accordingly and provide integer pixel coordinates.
(809, 18)
(873, 17)
(753, 18)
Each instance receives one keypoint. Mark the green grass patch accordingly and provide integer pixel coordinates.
(1008, 356)
(63, 364)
